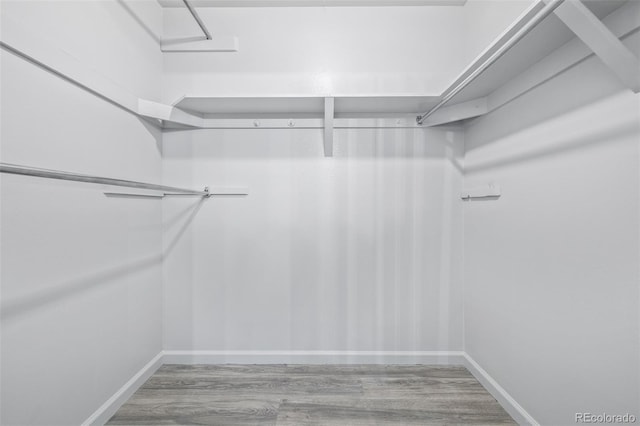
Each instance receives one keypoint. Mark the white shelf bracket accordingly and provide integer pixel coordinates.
(215, 44)
(235, 191)
(602, 41)
(490, 191)
(328, 126)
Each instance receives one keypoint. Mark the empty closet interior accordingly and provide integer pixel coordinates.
(349, 186)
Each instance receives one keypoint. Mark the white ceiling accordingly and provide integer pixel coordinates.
(299, 3)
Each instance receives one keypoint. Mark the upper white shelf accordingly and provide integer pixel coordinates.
(300, 106)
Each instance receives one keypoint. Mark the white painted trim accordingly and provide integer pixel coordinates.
(109, 408)
(262, 123)
(510, 405)
(403, 122)
(400, 122)
(314, 357)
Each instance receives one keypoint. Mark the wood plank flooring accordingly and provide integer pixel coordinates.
(328, 395)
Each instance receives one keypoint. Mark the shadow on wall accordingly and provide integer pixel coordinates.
(191, 212)
(268, 144)
(55, 292)
(154, 130)
(558, 144)
(581, 91)
(140, 22)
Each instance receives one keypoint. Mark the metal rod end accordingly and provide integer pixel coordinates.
(419, 120)
(206, 189)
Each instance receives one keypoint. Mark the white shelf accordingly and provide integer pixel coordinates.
(382, 105)
(220, 107)
(303, 106)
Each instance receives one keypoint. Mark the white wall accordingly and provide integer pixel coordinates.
(484, 20)
(116, 38)
(551, 268)
(359, 252)
(332, 50)
(81, 273)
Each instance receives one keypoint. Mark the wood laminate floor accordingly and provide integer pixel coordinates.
(288, 395)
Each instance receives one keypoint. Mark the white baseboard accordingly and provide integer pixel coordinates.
(510, 405)
(314, 357)
(109, 408)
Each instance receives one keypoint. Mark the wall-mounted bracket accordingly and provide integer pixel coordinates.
(624, 64)
(329, 108)
(490, 191)
(215, 44)
(227, 190)
(209, 192)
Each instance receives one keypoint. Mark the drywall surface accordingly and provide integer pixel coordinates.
(119, 39)
(80, 272)
(551, 268)
(360, 252)
(486, 19)
(318, 51)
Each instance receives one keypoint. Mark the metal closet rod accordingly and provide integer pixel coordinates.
(530, 25)
(198, 20)
(55, 174)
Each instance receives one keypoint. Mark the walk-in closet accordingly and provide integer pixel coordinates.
(319, 212)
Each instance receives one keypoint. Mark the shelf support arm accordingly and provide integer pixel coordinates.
(602, 41)
(329, 107)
